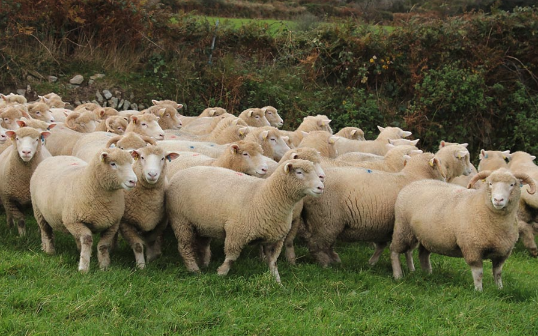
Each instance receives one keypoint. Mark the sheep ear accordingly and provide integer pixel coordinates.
(380, 128)
(294, 155)
(390, 146)
(179, 106)
(442, 144)
(51, 126)
(483, 154)
(288, 167)
(234, 148)
(243, 131)
(414, 142)
(264, 109)
(135, 154)
(353, 132)
(415, 152)
(155, 102)
(390, 141)
(460, 154)
(212, 112)
(304, 133)
(134, 120)
(333, 139)
(171, 156)
(11, 134)
(533, 157)
(250, 113)
(324, 122)
(264, 135)
(405, 134)
(162, 112)
(286, 138)
(66, 113)
(102, 113)
(21, 123)
(507, 155)
(406, 157)
(104, 156)
(45, 134)
(464, 144)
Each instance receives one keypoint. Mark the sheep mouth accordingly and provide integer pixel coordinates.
(498, 206)
(26, 158)
(261, 172)
(152, 180)
(128, 185)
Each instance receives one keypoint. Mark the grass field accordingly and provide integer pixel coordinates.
(45, 295)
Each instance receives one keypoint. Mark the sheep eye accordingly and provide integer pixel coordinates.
(162, 159)
(144, 124)
(142, 158)
(17, 139)
(245, 154)
(269, 113)
(511, 184)
(257, 117)
(38, 113)
(273, 139)
(113, 164)
(121, 148)
(168, 115)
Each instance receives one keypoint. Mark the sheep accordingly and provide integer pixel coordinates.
(82, 198)
(493, 160)
(62, 140)
(273, 144)
(400, 142)
(81, 120)
(168, 116)
(40, 111)
(212, 112)
(16, 167)
(88, 106)
(113, 124)
(323, 141)
(242, 156)
(272, 116)
(88, 145)
(9, 117)
(351, 133)
(453, 221)
(377, 146)
(394, 161)
(359, 157)
(170, 103)
(202, 125)
(13, 99)
(227, 130)
(200, 207)
(53, 101)
(146, 124)
(456, 159)
(210, 149)
(3, 136)
(315, 123)
(358, 205)
(144, 218)
(34, 123)
(60, 114)
(462, 180)
(254, 117)
(522, 162)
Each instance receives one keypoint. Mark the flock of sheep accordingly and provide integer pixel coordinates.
(242, 180)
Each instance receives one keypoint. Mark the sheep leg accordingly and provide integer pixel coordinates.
(379, 248)
(526, 234)
(13, 213)
(185, 236)
(233, 245)
(203, 246)
(154, 240)
(288, 242)
(105, 244)
(130, 234)
(335, 258)
(83, 236)
(424, 257)
(47, 235)
(497, 268)
(272, 252)
(396, 265)
(478, 271)
(409, 260)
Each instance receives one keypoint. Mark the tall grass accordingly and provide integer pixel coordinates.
(45, 295)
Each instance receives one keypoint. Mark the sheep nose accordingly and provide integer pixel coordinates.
(264, 170)
(152, 174)
(321, 187)
(322, 177)
(26, 152)
(497, 199)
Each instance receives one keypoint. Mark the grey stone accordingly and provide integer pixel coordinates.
(120, 104)
(97, 76)
(141, 106)
(131, 96)
(134, 107)
(126, 105)
(77, 80)
(99, 96)
(21, 92)
(77, 102)
(105, 104)
(90, 82)
(95, 102)
(107, 94)
(72, 86)
(113, 102)
(52, 79)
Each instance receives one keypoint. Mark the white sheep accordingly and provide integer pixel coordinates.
(272, 116)
(40, 111)
(113, 124)
(450, 220)
(358, 205)
(309, 124)
(80, 198)
(144, 219)
(17, 165)
(82, 120)
(200, 207)
(146, 124)
(254, 117)
(87, 146)
(273, 144)
(493, 160)
(351, 133)
(377, 146)
(323, 141)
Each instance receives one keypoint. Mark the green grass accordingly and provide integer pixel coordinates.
(45, 295)
(273, 26)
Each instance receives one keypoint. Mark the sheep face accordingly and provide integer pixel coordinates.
(10, 118)
(273, 117)
(255, 117)
(83, 121)
(309, 154)
(168, 118)
(303, 173)
(152, 162)
(116, 124)
(26, 141)
(41, 111)
(115, 170)
(146, 124)
(250, 156)
(3, 136)
(273, 139)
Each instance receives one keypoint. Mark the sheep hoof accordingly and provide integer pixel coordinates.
(533, 252)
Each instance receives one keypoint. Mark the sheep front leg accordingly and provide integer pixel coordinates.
(83, 236)
(105, 245)
(130, 234)
(477, 271)
(14, 214)
(272, 252)
(396, 265)
(288, 242)
(233, 245)
(154, 240)
(497, 265)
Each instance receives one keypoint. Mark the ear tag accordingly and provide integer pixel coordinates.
(459, 156)
(169, 159)
(191, 147)
(431, 163)
(486, 156)
(521, 185)
(369, 171)
(112, 146)
(42, 140)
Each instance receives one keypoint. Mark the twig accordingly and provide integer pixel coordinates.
(525, 67)
(44, 46)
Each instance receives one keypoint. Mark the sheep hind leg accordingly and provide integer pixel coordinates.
(379, 248)
(497, 267)
(185, 236)
(526, 233)
(288, 242)
(14, 214)
(47, 235)
(203, 247)
(154, 248)
(105, 245)
(83, 236)
(424, 257)
(273, 251)
(233, 245)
